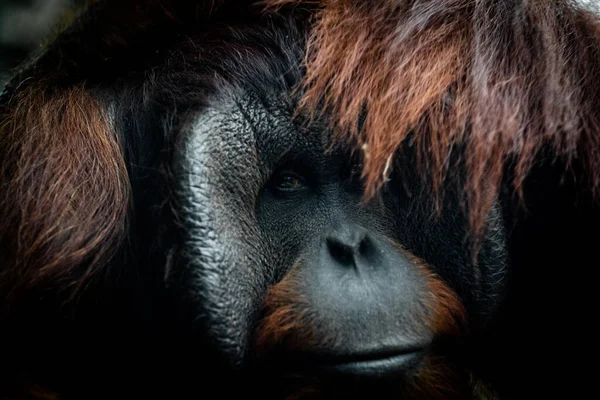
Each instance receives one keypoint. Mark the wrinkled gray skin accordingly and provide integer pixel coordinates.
(239, 238)
(221, 172)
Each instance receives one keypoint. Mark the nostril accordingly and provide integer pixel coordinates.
(341, 252)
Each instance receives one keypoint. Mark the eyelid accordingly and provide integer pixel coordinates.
(357, 169)
(353, 171)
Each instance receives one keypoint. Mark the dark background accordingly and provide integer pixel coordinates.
(23, 26)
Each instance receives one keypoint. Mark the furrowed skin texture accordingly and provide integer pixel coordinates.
(320, 199)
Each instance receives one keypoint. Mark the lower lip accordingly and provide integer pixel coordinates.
(381, 367)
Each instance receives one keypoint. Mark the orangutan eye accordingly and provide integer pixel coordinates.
(356, 170)
(288, 181)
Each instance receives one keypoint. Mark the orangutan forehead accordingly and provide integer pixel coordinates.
(520, 75)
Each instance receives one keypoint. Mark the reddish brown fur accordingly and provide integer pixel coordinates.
(63, 190)
(288, 319)
(448, 315)
(445, 316)
(519, 76)
(502, 79)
